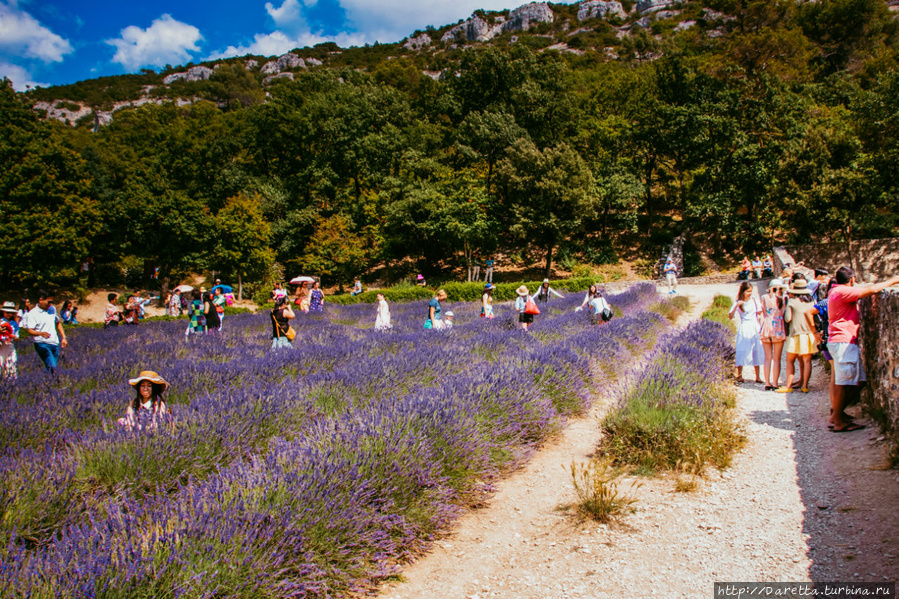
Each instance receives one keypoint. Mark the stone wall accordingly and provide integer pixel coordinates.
(871, 259)
(879, 344)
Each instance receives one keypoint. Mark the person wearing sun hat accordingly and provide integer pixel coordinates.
(801, 343)
(521, 302)
(9, 332)
(147, 408)
(420, 281)
(773, 332)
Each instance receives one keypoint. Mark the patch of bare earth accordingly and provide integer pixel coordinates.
(798, 503)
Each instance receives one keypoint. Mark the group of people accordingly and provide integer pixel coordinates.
(759, 267)
(133, 311)
(805, 315)
(42, 323)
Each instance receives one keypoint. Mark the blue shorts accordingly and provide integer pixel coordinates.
(49, 354)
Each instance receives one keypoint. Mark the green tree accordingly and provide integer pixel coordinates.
(242, 238)
(49, 215)
(547, 193)
(336, 250)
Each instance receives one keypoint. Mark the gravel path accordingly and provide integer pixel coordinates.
(798, 503)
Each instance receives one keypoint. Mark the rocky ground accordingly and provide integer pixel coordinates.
(799, 503)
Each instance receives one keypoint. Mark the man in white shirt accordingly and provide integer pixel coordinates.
(46, 328)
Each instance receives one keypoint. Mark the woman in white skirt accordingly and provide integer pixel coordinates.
(749, 342)
(382, 321)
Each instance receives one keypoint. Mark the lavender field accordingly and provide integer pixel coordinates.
(310, 472)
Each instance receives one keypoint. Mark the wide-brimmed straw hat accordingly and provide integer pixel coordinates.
(8, 307)
(800, 287)
(523, 291)
(149, 375)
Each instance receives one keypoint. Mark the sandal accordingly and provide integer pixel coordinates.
(759, 382)
(770, 387)
(805, 389)
(849, 428)
(739, 379)
(784, 390)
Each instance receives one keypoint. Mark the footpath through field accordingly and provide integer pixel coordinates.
(799, 503)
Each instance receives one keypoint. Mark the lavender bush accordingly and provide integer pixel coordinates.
(308, 472)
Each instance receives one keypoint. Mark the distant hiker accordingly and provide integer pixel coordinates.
(9, 332)
(357, 286)
(488, 272)
(749, 350)
(282, 332)
(148, 408)
(842, 343)
(382, 321)
(671, 275)
(316, 297)
(487, 301)
(544, 291)
(47, 330)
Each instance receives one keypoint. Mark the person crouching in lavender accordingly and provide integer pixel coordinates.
(148, 408)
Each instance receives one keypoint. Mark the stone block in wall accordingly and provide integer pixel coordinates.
(879, 345)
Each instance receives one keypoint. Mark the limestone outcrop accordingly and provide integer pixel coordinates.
(283, 63)
(601, 9)
(418, 42)
(476, 29)
(191, 74)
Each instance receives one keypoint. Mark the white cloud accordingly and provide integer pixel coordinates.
(277, 43)
(165, 41)
(19, 76)
(23, 35)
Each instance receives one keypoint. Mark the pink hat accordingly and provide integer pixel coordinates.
(420, 278)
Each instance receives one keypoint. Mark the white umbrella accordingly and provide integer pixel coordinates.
(298, 280)
(183, 288)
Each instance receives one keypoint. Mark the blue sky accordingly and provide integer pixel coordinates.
(51, 42)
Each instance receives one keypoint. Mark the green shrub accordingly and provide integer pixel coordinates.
(462, 292)
(720, 312)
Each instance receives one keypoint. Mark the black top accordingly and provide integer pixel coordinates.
(278, 316)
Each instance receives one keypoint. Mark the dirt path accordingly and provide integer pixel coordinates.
(799, 503)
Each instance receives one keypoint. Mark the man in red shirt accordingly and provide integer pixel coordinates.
(842, 342)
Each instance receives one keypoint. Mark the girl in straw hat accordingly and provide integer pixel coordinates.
(147, 408)
(524, 319)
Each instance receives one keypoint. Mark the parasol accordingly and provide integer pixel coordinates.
(298, 280)
(183, 288)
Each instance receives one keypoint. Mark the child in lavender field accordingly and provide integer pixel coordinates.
(147, 409)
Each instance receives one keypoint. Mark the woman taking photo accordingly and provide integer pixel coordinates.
(281, 315)
(749, 351)
(147, 409)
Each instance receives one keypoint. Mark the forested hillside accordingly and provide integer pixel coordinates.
(737, 123)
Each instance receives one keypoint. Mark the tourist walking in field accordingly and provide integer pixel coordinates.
(213, 321)
(801, 343)
(671, 275)
(849, 373)
(282, 332)
(544, 291)
(196, 314)
(302, 297)
(9, 332)
(435, 315)
(219, 301)
(316, 297)
(174, 305)
(525, 318)
(46, 328)
(382, 320)
(600, 310)
(749, 350)
(147, 410)
(487, 301)
(773, 332)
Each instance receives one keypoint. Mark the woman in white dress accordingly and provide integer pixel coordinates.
(749, 342)
(382, 322)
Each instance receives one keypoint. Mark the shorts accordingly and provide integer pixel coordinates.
(525, 318)
(803, 345)
(671, 278)
(281, 343)
(847, 364)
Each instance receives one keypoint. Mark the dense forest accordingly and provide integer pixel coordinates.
(737, 123)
